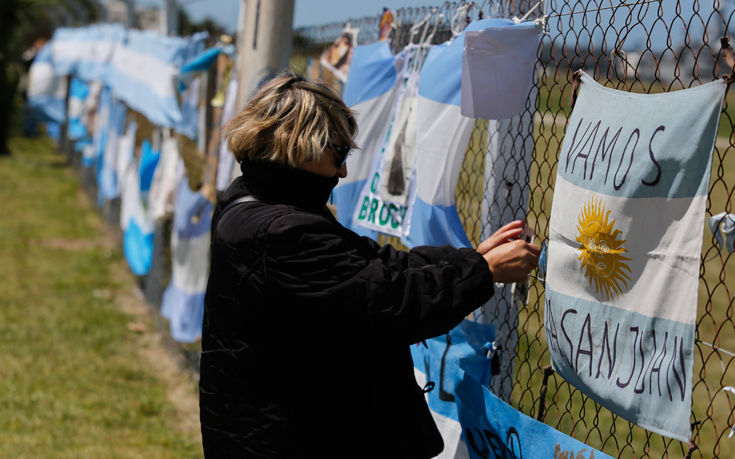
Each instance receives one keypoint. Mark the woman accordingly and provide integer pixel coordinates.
(307, 326)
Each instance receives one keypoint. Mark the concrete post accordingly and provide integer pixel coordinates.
(264, 43)
(169, 17)
(130, 23)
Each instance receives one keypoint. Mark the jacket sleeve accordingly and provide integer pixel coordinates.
(406, 296)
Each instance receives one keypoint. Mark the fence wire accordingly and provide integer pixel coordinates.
(645, 46)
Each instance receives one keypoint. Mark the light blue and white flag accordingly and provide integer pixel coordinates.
(626, 232)
(138, 228)
(455, 372)
(86, 52)
(78, 92)
(192, 107)
(108, 177)
(371, 92)
(183, 300)
(493, 429)
(147, 166)
(91, 156)
(167, 175)
(143, 73)
(46, 90)
(443, 136)
(437, 369)
(385, 202)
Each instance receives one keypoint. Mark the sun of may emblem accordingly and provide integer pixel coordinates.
(601, 251)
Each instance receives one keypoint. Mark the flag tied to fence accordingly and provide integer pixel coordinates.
(140, 67)
(412, 140)
(455, 372)
(625, 239)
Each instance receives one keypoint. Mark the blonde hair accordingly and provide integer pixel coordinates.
(290, 120)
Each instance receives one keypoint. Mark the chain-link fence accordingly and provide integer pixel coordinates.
(645, 46)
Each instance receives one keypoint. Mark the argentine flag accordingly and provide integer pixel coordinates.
(143, 71)
(626, 232)
(86, 52)
(371, 92)
(46, 90)
(183, 300)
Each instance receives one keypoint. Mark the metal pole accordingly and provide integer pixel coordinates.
(264, 43)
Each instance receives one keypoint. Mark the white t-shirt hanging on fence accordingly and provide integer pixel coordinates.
(497, 68)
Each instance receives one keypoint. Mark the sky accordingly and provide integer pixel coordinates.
(319, 12)
(306, 13)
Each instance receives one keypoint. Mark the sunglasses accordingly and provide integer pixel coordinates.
(341, 153)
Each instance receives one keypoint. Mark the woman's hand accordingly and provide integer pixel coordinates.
(509, 232)
(509, 259)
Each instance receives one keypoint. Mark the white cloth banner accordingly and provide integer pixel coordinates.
(626, 232)
(385, 200)
(371, 92)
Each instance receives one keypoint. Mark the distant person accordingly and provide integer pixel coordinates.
(307, 326)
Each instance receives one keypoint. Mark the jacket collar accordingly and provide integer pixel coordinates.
(277, 183)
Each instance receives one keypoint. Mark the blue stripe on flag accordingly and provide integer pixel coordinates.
(639, 366)
(161, 111)
(492, 428)
(439, 361)
(185, 313)
(147, 165)
(435, 225)
(138, 247)
(364, 82)
(193, 215)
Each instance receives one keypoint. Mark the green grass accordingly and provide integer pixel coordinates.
(72, 382)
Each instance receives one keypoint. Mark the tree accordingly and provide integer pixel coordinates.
(21, 23)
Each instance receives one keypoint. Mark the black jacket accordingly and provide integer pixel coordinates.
(307, 327)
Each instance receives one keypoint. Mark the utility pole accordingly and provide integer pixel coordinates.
(169, 17)
(263, 43)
